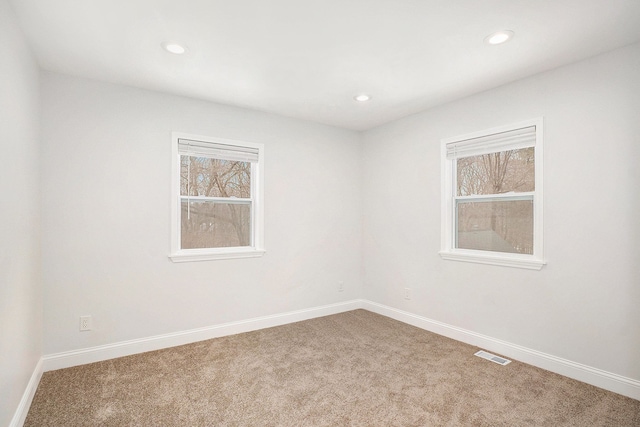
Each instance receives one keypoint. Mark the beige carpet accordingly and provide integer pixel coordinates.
(350, 369)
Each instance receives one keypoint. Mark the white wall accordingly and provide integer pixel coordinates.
(106, 220)
(20, 291)
(582, 306)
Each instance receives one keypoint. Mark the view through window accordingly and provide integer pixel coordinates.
(216, 203)
(485, 219)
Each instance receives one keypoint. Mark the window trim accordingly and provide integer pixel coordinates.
(257, 191)
(448, 251)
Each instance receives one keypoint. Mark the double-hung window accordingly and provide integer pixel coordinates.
(492, 196)
(216, 198)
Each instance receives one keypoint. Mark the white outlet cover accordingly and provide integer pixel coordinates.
(85, 323)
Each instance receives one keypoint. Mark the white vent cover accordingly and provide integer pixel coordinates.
(492, 357)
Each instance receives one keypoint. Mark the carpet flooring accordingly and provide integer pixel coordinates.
(350, 369)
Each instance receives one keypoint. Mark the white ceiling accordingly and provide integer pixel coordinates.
(307, 59)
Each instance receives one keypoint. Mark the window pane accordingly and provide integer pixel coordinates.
(206, 224)
(500, 226)
(496, 173)
(204, 176)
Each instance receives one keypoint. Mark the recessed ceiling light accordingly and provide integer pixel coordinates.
(499, 37)
(173, 47)
(362, 97)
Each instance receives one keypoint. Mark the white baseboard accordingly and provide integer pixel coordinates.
(597, 377)
(68, 359)
(27, 397)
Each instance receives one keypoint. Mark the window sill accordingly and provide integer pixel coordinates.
(198, 255)
(494, 259)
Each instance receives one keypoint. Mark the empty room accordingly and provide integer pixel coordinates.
(320, 213)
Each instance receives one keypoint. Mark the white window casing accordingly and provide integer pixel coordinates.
(217, 148)
(512, 137)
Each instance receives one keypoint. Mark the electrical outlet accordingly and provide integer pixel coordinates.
(407, 293)
(340, 286)
(85, 323)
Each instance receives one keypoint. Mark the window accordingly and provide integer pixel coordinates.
(216, 199)
(492, 196)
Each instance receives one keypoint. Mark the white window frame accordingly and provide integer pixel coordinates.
(448, 170)
(257, 196)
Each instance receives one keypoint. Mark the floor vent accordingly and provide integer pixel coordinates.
(492, 357)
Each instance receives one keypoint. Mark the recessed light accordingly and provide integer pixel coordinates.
(499, 37)
(362, 97)
(173, 47)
